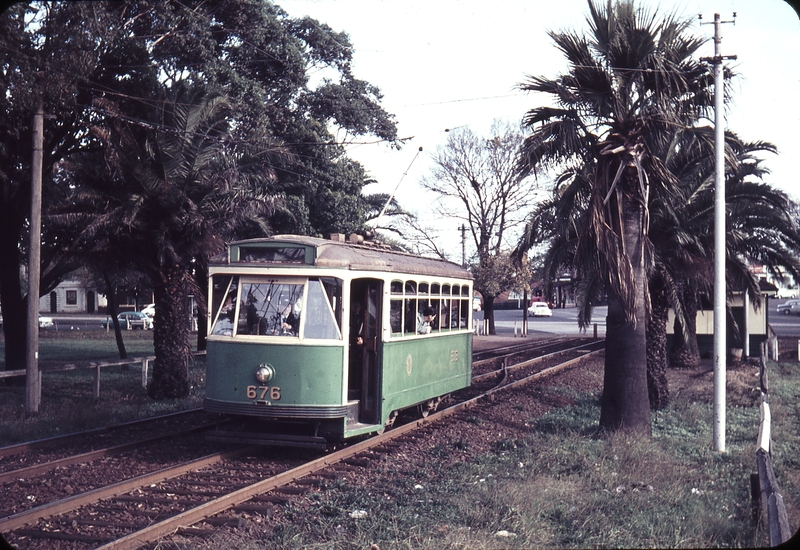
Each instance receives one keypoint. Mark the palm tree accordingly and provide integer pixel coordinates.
(629, 82)
(175, 190)
(761, 229)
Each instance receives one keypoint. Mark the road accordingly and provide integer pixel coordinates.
(563, 321)
(785, 326)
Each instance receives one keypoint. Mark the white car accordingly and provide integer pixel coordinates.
(540, 309)
(45, 322)
(149, 310)
(476, 303)
(787, 293)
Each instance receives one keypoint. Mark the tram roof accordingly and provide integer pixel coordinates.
(285, 249)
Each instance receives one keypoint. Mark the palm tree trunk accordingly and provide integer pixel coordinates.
(657, 384)
(201, 280)
(625, 405)
(170, 336)
(685, 352)
(14, 308)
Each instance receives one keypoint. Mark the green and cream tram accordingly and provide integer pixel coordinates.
(316, 341)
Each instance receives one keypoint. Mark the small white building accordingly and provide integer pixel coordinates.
(73, 297)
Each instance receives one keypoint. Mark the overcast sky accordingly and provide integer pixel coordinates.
(450, 63)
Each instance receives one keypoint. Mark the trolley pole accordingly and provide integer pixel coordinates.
(463, 230)
(720, 327)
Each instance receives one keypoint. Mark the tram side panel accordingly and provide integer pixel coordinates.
(419, 369)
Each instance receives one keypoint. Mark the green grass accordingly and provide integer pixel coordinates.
(556, 486)
(96, 345)
(552, 486)
(67, 403)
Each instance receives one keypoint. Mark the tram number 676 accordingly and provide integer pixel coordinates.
(261, 392)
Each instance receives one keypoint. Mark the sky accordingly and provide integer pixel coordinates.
(444, 64)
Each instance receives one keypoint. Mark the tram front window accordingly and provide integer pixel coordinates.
(270, 308)
(290, 307)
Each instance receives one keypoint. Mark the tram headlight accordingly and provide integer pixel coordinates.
(265, 373)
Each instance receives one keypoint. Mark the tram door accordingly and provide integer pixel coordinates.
(365, 358)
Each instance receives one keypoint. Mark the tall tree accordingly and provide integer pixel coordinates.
(166, 202)
(110, 59)
(478, 184)
(629, 81)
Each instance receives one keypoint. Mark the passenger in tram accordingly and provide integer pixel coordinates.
(356, 347)
(424, 320)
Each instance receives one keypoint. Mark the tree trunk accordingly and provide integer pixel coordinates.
(201, 280)
(14, 306)
(488, 312)
(685, 353)
(111, 294)
(657, 384)
(625, 405)
(170, 336)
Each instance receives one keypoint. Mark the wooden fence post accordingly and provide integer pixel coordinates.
(96, 388)
(144, 371)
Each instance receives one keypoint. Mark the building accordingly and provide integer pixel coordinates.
(73, 297)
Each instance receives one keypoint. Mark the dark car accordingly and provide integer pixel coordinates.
(132, 319)
(790, 306)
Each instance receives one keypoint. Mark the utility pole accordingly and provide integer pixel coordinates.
(463, 229)
(33, 386)
(720, 294)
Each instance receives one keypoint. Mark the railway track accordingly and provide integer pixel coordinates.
(197, 496)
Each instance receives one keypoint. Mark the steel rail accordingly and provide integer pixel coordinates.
(36, 469)
(521, 346)
(22, 519)
(190, 517)
(32, 445)
(533, 360)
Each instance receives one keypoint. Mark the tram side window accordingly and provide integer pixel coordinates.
(320, 318)
(433, 305)
(223, 304)
(465, 309)
(444, 314)
(410, 317)
(396, 316)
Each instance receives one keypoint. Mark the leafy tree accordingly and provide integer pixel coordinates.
(478, 184)
(629, 81)
(170, 195)
(46, 50)
(107, 61)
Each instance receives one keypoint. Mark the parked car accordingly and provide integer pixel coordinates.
(787, 293)
(540, 309)
(136, 319)
(476, 303)
(149, 310)
(790, 306)
(44, 322)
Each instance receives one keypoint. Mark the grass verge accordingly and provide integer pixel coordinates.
(551, 485)
(67, 404)
(556, 486)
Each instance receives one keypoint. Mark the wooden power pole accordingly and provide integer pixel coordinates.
(33, 381)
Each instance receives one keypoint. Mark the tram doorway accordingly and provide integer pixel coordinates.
(365, 347)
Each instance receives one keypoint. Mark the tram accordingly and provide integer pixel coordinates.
(317, 341)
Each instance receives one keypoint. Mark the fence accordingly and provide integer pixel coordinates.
(143, 361)
(767, 500)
